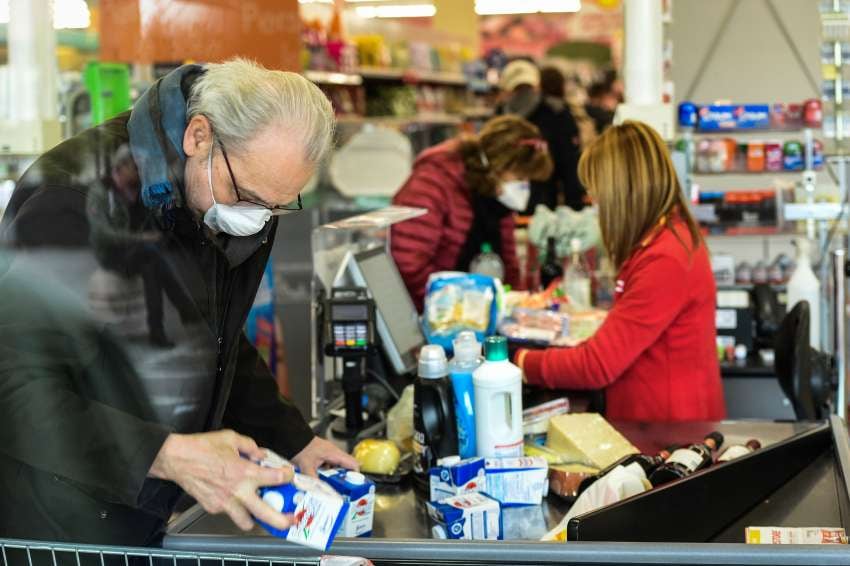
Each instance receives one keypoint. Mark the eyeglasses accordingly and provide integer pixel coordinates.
(276, 210)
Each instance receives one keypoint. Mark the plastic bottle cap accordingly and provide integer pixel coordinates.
(496, 349)
(432, 362)
(355, 477)
(466, 346)
(486, 248)
(438, 531)
(448, 461)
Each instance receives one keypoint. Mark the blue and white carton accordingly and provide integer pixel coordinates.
(453, 476)
(359, 492)
(517, 481)
(471, 516)
(318, 510)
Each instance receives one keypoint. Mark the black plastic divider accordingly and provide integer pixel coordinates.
(842, 469)
(701, 506)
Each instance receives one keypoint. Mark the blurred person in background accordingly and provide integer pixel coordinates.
(471, 186)
(134, 251)
(602, 101)
(655, 356)
(553, 118)
(520, 88)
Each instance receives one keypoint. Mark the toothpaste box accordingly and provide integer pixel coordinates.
(453, 476)
(734, 117)
(517, 481)
(471, 516)
(359, 492)
(318, 510)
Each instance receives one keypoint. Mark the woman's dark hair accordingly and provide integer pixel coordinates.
(552, 82)
(505, 144)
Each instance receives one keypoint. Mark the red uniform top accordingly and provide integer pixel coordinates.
(434, 242)
(655, 355)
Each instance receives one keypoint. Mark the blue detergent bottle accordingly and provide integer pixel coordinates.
(466, 360)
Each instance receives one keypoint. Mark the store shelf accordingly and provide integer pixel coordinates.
(755, 132)
(744, 230)
(750, 173)
(362, 74)
(332, 78)
(436, 118)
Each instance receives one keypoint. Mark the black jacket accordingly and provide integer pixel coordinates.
(558, 127)
(109, 313)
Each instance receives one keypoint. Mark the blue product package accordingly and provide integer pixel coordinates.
(471, 516)
(466, 360)
(456, 301)
(359, 491)
(452, 476)
(319, 511)
(687, 115)
(517, 481)
(716, 117)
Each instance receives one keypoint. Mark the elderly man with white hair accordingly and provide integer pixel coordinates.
(126, 379)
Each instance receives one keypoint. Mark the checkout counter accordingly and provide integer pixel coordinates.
(799, 478)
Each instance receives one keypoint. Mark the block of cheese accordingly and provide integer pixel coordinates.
(587, 438)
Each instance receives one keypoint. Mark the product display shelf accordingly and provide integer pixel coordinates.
(425, 118)
(362, 74)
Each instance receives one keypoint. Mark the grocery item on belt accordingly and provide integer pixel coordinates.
(318, 510)
(565, 479)
(535, 420)
(791, 535)
(471, 516)
(517, 481)
(359, 492)
(453, 476)
(377, 456)
(587, 438)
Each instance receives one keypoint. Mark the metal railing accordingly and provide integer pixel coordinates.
(37, 553)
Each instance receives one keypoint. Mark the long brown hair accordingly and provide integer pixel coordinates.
(628, 172)
(504, 144)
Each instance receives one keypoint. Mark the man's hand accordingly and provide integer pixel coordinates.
(320, 452)
(209, 467)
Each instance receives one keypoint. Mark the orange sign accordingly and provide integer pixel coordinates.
(150, 31)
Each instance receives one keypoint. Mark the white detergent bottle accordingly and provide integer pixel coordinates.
(804, 286)
(498, 402)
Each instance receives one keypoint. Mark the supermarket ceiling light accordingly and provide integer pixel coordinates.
(397, 11)
(497, 7)
(67, 14)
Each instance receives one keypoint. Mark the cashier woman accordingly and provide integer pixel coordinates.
(655, 354)
(137, 250)
(471, 187)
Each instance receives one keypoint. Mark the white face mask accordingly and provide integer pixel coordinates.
(241, 219)
(515, 194)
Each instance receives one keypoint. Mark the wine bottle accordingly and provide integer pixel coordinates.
(738, 450)
(551, 269)
(685, 461)
(647, 462)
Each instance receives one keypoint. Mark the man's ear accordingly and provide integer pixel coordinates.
(197, 137)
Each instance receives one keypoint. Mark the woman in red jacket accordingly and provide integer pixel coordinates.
(655, 355)
(471, 187)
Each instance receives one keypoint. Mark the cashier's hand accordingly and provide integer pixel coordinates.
(208, 466)
(320, 452)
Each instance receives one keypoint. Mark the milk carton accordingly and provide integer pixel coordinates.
(318, 510)
(359, 492)
(471, 516)
(517, 481)
(453, 476)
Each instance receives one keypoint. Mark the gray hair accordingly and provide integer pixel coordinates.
(241, 98)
